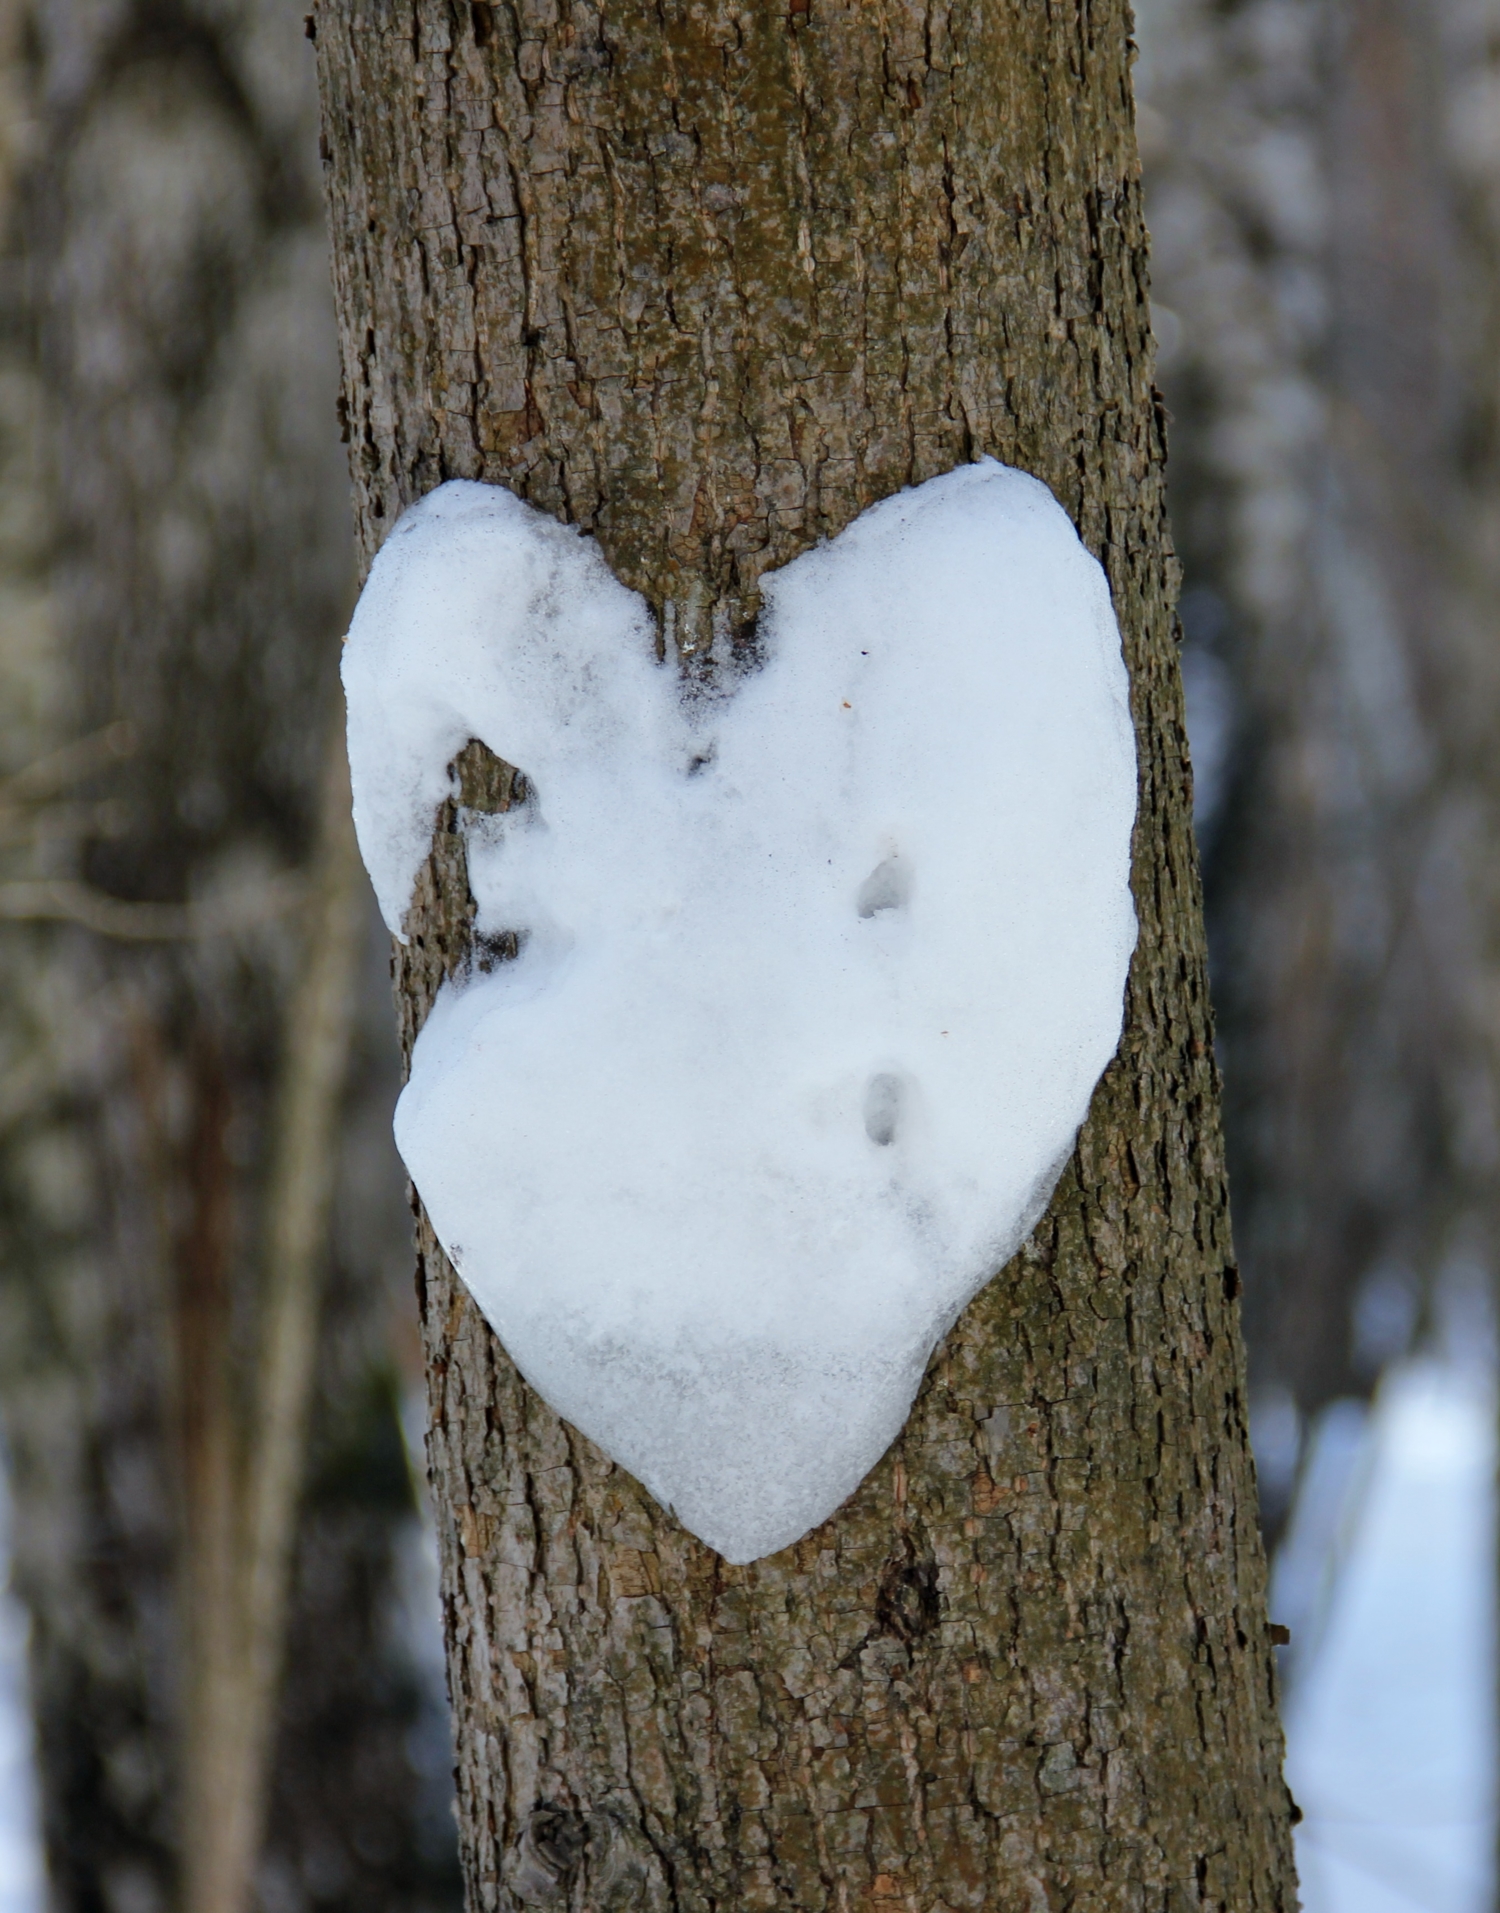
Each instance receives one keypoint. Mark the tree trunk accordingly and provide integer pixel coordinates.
(707, 283)
(177, 1093)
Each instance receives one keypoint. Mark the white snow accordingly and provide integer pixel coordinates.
(22, 1872)
(1390, 1716)
(817, 979)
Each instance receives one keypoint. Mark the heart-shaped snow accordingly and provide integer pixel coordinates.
(816, 979)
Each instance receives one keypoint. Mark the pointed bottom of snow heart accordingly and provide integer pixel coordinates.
(749, 1447)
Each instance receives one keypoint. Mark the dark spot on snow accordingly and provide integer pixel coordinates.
(882, 1108)
(888, 887)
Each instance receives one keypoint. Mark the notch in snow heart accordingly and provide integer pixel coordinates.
(816, 978)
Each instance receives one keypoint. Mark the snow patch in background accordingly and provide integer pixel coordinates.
(816, 978)
(22, 1875)
(1387, 1582)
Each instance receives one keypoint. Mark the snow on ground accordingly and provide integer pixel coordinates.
(1390, 1707)
(21, 1887)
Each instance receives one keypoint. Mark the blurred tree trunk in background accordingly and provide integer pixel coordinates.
(185, 1091)
(707, 281)
(1323, 187)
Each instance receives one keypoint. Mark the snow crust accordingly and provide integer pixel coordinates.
(816, 979)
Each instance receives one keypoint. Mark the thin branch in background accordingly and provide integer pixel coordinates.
(65, 900)
(69, 764)
(25, 800)
(227, 1772)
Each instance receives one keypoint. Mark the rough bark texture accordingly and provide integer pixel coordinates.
(708, 280)
(1324, 191)
(172, 487)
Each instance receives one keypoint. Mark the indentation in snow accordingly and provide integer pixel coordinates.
(882, 1108)
(727, 1157)
(887, 887)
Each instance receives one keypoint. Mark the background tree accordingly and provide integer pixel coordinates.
(707, 281)
(1324, 191)
(184, 1089)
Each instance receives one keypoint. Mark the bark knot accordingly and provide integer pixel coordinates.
(547, 1856)
(908, 1604)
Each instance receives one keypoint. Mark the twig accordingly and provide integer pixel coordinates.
(64, 900)
(228, 1779)
(68, 764)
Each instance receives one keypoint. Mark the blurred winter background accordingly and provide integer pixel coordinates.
(1323, 190)
(180, 924)
(209, 1369)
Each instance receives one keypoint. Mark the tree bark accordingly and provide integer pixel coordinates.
(708, 281)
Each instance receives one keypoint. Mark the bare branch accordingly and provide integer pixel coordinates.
(65, 900)
(228, 1776)
(69, 764)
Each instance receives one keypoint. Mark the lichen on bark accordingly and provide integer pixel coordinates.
(707, 280)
